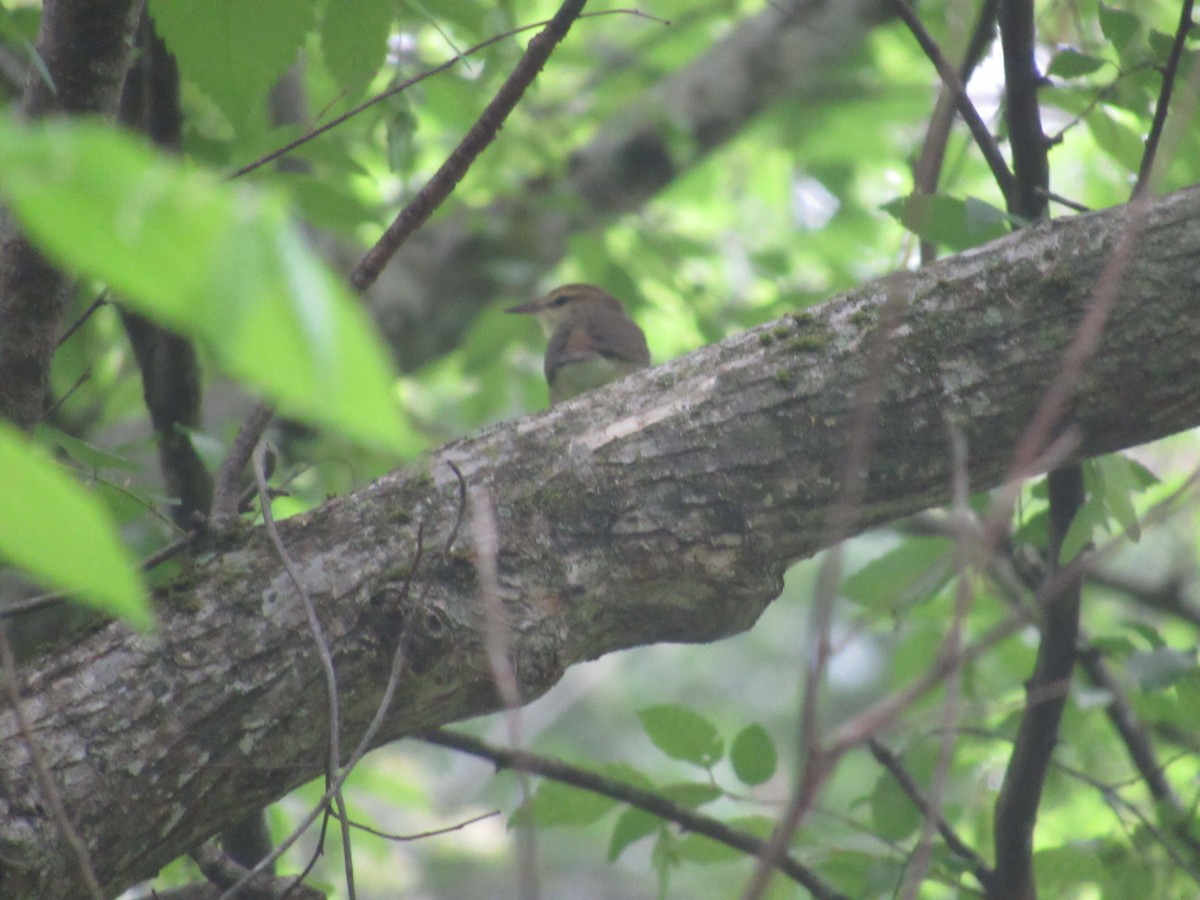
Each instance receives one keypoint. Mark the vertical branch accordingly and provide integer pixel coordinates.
(170, 368)
(1047, 689)
(33, 293)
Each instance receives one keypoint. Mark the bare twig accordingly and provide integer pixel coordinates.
(225, 489)
(950, 78)
(422, 835)
(399, 661)
(649, 801)
(957, 845)
(333, 763)
(1170, 70)
(222, 872)
(937, 133)
(100, 300)
(815, 762)
(951, 646)
(482, 133)
(409, 82)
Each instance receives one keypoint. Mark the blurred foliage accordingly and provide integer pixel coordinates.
(810, 198)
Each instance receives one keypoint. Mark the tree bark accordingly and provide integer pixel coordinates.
(33, 293)
(662, 508)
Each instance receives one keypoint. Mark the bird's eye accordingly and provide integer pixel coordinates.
(561, 300)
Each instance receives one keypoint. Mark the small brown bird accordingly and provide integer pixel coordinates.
(592, 339)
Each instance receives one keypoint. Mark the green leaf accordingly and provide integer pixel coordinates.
(952, 222)
(234, 51)
(220, 264)
(61, 536)
(1072, 64)
(555, 804)
(1119, 484)
(86, 455)
(753, 755)
(354, 37)
(1119, 141)
(1062, 871)
(893, 814)
(1118, 26)
(1079, 533)
(912, 571)
(700, 849)
(632, 825)
(691, 794)
(1161, 44)
(683, 734)
(1160, 668)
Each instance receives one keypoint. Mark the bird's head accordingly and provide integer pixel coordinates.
(569, 303)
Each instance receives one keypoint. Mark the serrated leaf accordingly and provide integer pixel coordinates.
(753, 755)
(221, 264)
(53, 530)
(354, 37)
(234, 51)
(682, 734)
(632, 825)
(1072, 64)
(1118, 26)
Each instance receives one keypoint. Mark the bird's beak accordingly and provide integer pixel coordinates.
(530, 307)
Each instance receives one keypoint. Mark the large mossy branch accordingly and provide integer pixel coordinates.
(662, 508)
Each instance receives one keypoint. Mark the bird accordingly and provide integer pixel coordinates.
(592, 339)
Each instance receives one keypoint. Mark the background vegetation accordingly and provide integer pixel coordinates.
(786, 207)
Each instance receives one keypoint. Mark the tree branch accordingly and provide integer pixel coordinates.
(649, 801)
(662, 508)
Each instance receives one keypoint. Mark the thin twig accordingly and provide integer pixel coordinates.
(333, 762)
(422, 835)
(409, 82)
(653, 803)
(814, 760)
(100, 300)
(928, 167)
(1149, 155)
(951, 646)
(949, 75)
(225, 488)
(908, 784)
(480, 135)
(399, 661)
